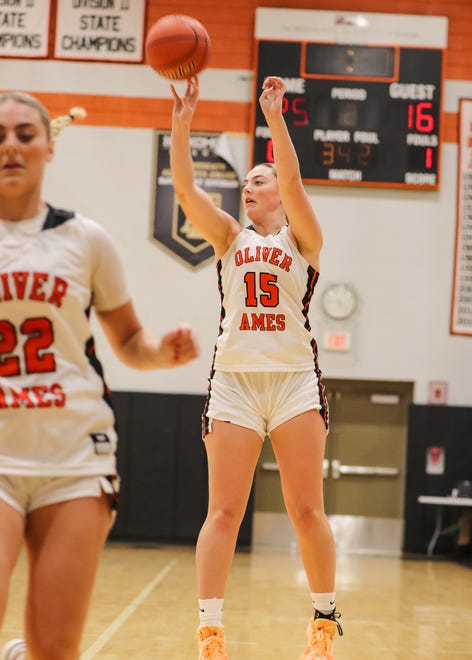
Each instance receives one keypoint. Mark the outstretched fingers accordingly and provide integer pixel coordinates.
(189, 99)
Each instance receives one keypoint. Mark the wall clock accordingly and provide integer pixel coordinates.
(339, 301)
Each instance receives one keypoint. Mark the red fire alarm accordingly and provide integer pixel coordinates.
(437, 392)
(435, 460)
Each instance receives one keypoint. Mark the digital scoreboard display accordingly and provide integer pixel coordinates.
(357, 114)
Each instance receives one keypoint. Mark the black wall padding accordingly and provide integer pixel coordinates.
(163, 469)
(449, 427)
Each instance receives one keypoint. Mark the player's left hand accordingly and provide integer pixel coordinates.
(273, 90)
(179, 346)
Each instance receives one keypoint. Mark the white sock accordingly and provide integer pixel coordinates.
(324, 602)
(15, 649)
(211, 611)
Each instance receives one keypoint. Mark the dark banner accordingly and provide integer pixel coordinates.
(213, 173)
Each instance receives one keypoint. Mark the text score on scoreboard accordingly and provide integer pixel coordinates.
(358, 114)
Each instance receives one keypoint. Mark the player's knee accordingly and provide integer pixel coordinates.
(304, 515)
(227, 519)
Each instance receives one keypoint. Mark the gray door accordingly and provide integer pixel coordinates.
(366, 448)
(364, 466)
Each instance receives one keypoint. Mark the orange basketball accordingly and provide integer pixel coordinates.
(177, 47)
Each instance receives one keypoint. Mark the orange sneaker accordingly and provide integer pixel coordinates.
(211, 643)
(320, 635)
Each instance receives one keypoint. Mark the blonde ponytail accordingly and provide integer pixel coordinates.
(59, 123)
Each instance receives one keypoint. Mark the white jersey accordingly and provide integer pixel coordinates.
(55, 410)
(265, 286)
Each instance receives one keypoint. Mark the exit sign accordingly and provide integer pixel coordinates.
(337, 341)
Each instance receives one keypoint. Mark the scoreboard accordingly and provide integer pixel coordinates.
(362, 108)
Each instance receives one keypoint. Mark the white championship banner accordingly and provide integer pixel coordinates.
(111, 32)
(461, 318)
(24, 28)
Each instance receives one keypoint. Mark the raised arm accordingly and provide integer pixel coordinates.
(303, 223)
(214, 224)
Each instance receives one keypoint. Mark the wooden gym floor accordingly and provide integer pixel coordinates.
(144, 606)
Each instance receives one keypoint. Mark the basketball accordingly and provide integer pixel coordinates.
(177, 47)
